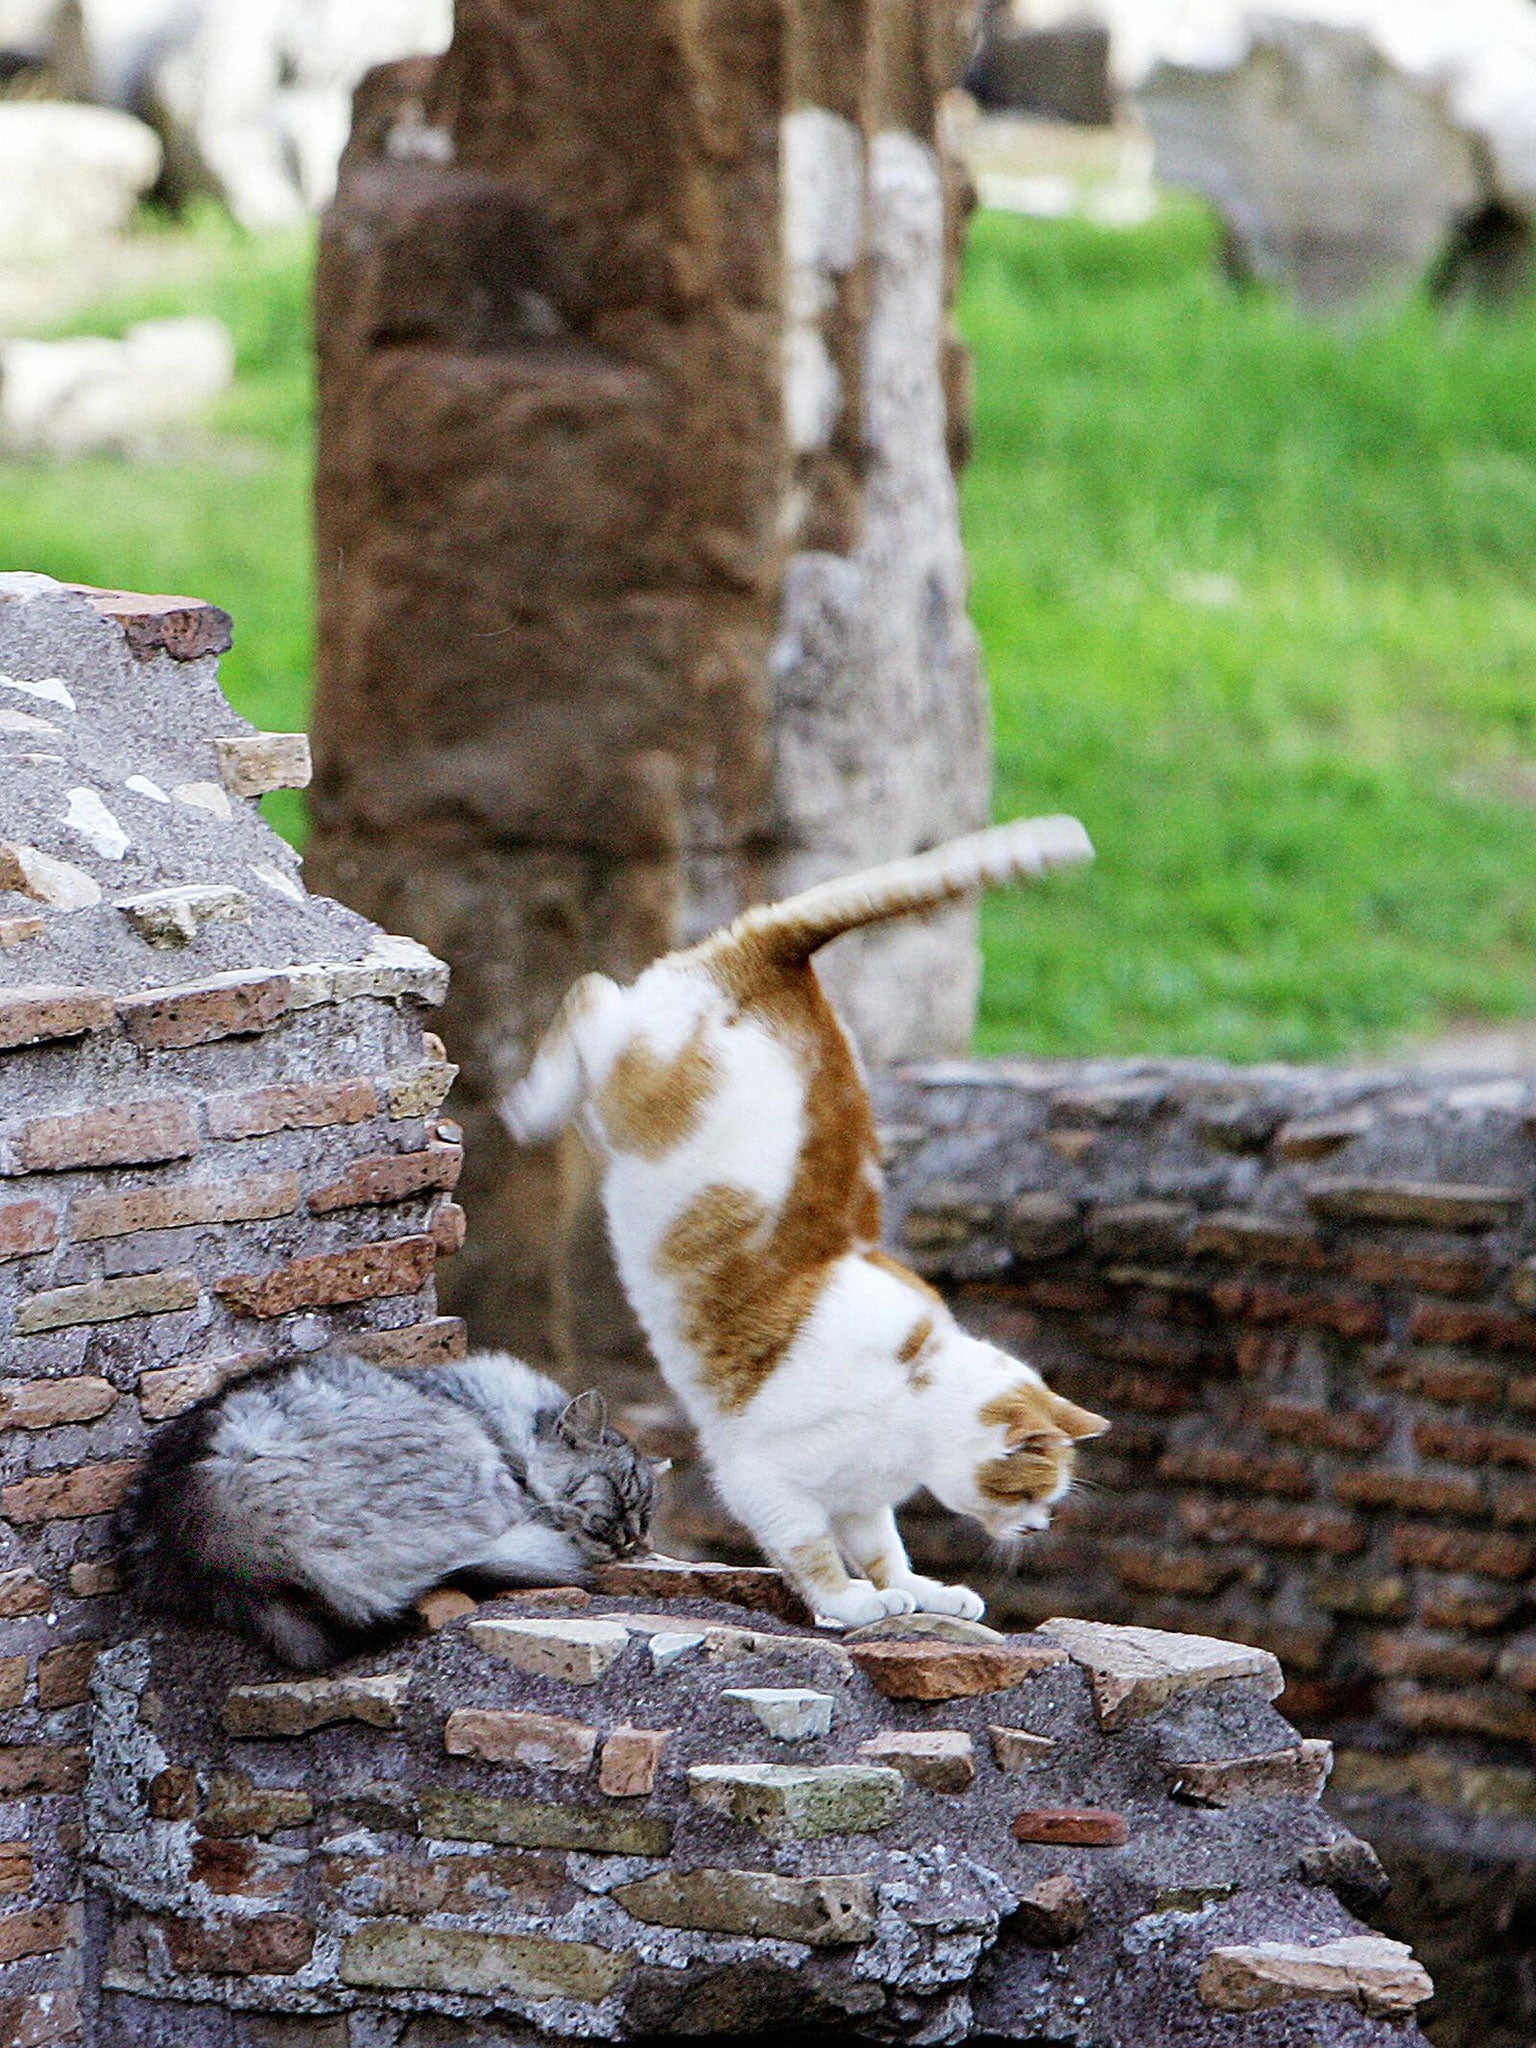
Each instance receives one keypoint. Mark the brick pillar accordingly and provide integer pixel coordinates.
(641, 588)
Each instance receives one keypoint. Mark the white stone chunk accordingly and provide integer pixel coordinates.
(52, 690)
(23, 722)
(170, 917)
(274, 878)
(204, 796)
(1135, 1671)
(252, 764)
(69, 175)
(141, 785)
(90, 394)
(789, 1713)
(86, 814)
(39, 875)
(1380, 1976)
(670, 1646)
(577, 1651)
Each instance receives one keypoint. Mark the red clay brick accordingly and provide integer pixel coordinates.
(93, 1577)
(243, 1198)
(1487, 1710)
(1522, 1391)
(108, 1301)
(23, 1592)
(1256, 1241)
(1325, 1429)
(1408, 1655)
(1149, 1393)
(1452, 1607)
(64, 1674)
(293, 1106)
(630, 1760)
(1411, 1491)
(1188, 1575)
(195, 1013)
(1073, 1827)
(400, 1265)
(173, 1389)
(1215, 1465)
(1452, 1380)
(1496, 1329)
(15, 1871)
(42, 1931)
(27, 1227)
(1459, 1550)
(46, 1404)
(449, 1225)
(1471, 1444)
(13, 1682)
(1277, 1527)
(1427, 1272)
(1517, 1667)
(40, 1767)
(266, 1945)
(1350, 1315)
(59, 1496)
(1073, 1297)
(28, 1016)
(437, 1342)
(134, 1134)
(1514, 1506)
(172, 1793)
(390, 1177)
(40, 2020)
(417, 1091)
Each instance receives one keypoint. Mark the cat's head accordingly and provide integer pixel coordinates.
(1016, 1461)
(591, 1480)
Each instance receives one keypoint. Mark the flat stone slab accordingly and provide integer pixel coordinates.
(1300, 1771)
(400, 1956)
(936, 1759)
(674, 1578)
(298, 1706)
(543, 1824)
(670, 1646)
(631, 1760)
(825, 1912)
(1135, 1671)
(923, 1628)
(1015, 1749)
(789, 1713)
(501, 1735)
(578, 1651)
(799, 1802)
(1367, 1970)
(951, 1671)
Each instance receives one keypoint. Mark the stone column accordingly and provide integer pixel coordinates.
(641, 587)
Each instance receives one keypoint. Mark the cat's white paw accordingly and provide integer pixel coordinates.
(933, 1598)
(860, 1602)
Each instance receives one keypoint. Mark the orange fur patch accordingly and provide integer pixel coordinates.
(904, 1274)
(916, 1340)
(818, 1565)
(749, 1278)
(1041, 1429)
(650, 1104)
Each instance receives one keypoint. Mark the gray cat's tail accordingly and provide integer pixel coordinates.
(787, 933)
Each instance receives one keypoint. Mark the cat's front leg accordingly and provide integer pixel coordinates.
(796, 1534)
(874, 1544)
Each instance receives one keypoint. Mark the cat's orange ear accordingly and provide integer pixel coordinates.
(1078, 1423)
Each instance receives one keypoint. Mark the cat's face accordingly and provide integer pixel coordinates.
(594, 1483)
(1016, 1463)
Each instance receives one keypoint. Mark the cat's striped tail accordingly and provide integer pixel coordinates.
(791, 931)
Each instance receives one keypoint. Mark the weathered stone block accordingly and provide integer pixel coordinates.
(825, 1912)
(580, 1652)
(1299, 1771)
(108, 1301)
(1015, 1749)
(236, 1807)
(951, 1671)
(533, 1824)
(499, 1735)
(171, 917)
(28, 1016)
(296, 1706)
(671, 1578)
(631, 1760)
(399, 1956)
(1367, 1970)
(196, 1013)
(934, 1759)
(251, 764)
(789, 1714)
(1135, 1671)
(1052, 1913)
(799, 1802)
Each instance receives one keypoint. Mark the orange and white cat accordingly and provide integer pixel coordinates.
(742, 1187)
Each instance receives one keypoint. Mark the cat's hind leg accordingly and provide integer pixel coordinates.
(796, 1534)
(873, 1543)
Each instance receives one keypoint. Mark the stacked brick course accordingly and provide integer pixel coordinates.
(600, 1817)
(218, 1139)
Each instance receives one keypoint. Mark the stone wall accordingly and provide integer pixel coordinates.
(641, 588)
(217, 1139)
(635, 1816)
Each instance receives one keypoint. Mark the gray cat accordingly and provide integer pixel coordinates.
(310, 1503)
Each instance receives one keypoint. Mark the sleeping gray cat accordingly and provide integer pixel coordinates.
(310, 1503)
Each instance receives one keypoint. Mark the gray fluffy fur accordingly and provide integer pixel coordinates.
(311, 1503)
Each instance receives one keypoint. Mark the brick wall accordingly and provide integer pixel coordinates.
(218, 1138)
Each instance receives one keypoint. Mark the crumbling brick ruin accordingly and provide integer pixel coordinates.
(217, 1139)
(641, 587)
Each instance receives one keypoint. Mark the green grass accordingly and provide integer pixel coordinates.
(1257, 601)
